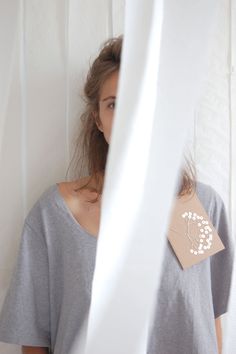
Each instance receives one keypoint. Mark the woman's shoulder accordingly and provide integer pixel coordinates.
(48, 201)
(70, 189)
(43, 203)
(208, 196)
(213, 204)
(65, 188)
(205, 189)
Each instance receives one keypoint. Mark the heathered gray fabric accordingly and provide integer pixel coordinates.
(50, 289)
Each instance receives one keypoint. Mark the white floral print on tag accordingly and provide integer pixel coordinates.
(198, 232)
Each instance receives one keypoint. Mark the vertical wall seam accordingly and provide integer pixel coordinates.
(8, 81)
(23, 115)
(230, 120)
(67, 79)
(110, 18)
(232, 114)
(231, 123)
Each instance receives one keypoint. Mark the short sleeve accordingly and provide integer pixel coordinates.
(221, 262)
(25, 315)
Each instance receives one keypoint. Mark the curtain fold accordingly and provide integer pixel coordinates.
(9, 16)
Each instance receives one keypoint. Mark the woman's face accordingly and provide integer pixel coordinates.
(107, 104)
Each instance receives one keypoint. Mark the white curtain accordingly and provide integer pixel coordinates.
(39, 112)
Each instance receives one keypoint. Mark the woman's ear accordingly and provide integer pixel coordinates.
(97, 120)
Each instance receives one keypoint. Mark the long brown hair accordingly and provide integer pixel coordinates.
(91, 148)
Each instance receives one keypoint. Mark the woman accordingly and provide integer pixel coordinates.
(50, 291)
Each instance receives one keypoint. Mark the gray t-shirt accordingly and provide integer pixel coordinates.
(50, 290)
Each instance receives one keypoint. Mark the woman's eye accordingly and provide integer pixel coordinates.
(111, 105)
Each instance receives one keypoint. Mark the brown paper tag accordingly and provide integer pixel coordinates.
(191, 233)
